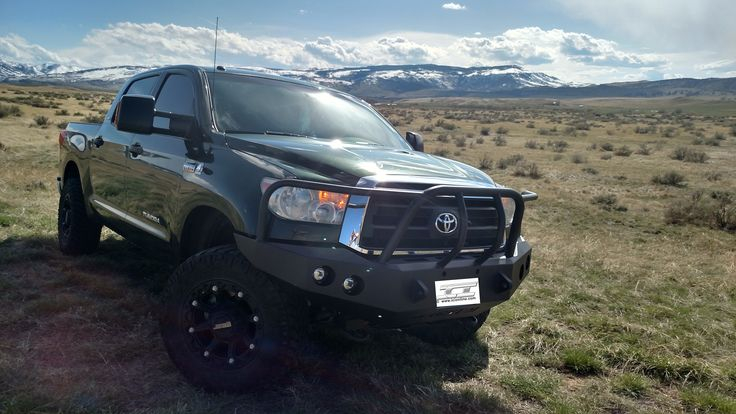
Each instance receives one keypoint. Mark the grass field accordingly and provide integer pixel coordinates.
(630, 305)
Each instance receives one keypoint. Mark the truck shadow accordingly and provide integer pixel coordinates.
(113, 293)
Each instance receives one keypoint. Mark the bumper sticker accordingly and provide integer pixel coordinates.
(457, 292)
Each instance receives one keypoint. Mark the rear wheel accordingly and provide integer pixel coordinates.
(78, 233)
(450, 332)
(228, 326)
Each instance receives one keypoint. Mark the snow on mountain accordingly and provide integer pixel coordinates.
(368, 81)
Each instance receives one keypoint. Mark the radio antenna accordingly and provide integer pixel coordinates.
(214, 71)
(214, 59)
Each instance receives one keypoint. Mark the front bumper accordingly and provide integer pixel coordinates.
(394, 294)
(396, 290)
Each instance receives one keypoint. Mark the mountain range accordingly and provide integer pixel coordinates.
(400, 81)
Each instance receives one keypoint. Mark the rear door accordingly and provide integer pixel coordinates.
(108, 160)
(155, 168)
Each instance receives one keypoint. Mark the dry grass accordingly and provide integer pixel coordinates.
(622, 312)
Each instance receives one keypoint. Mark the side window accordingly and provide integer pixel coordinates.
(142, 86)
(176, 96)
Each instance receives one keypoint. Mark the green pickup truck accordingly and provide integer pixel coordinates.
(287, 205)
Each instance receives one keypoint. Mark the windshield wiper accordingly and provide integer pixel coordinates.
(285, 134)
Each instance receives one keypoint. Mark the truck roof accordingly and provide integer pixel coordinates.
(236, 71)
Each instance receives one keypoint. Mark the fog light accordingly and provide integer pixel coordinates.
(352, 285)
(349, 284)
(319, 274)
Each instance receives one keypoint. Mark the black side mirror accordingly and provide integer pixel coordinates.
(135, 114)
(415, 140)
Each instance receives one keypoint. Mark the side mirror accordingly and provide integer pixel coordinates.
(415, 140)
(135, 114)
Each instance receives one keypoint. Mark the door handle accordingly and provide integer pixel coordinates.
(98, 141)
(135, 150)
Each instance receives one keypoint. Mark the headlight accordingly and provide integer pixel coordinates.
(315, 206)
(509, 207)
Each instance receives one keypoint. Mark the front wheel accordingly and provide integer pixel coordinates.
(450, 332)
(228, 326)
(78, 233)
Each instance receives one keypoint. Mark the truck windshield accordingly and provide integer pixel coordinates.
(246, 104)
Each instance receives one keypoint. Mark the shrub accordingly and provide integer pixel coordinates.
(650, 129)
(607, 202)
(607, 156)
(426, 128)
(480, 140)
(671, 178)
(578, 159)
(530, 170)
(631, 385)
(713, 176)
(715, 209)
(689, 155)
(10, 110)
(485, 131)
(606, 146)
(558, 146)
(623, 151)
(502, 130)
(62, 124)
(94, 119)
(486, 163)
(442, 152)
(590, 170)
(443, 138)
(460, 142)
(499, 140)
(510, 161)
(581, 362)
(644, 149)
(531, 144)
(41, 120)
(669, 132)
(570, 131)
(62, 112)
(445, 125)
(530, 125)
(719, 136)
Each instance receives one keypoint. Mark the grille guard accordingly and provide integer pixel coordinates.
(420, 197)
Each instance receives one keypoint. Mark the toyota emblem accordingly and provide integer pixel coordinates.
(446, 223)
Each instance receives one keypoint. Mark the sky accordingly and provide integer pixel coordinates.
(583, 41)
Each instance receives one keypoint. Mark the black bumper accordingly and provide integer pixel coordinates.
(394, 294)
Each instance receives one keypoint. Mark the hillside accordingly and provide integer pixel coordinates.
(402, 81)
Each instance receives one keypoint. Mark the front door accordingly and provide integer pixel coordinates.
(108, 161)
(155, 166)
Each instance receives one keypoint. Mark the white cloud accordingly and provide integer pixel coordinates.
(534, 46)
(571, 56)
(453, 6)
(17, 49)
(667, 25)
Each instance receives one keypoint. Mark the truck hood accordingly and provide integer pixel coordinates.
(343, 163)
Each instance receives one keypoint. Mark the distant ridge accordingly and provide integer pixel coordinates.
(401, 81)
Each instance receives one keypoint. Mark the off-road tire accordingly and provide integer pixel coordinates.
(450, 332)
(276, 336)
(78, 233)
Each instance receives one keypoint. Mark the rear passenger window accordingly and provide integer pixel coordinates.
(176, 96)
(142, 86)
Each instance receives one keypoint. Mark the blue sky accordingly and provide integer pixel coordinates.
(576, 40)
